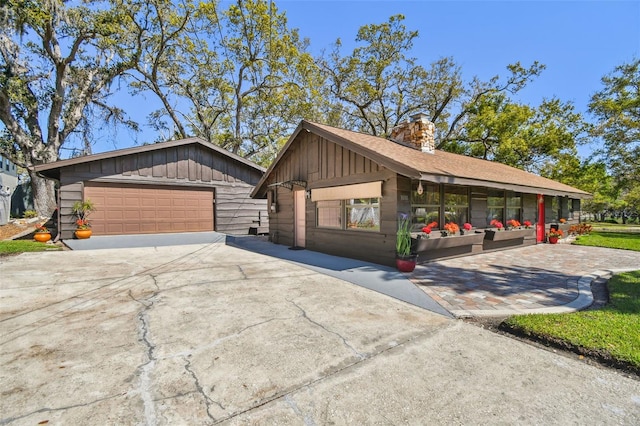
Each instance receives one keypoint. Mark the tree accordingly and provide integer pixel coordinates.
(617, 109)
(57, 63)
(239, 78)
(521, 136)
(378, 85)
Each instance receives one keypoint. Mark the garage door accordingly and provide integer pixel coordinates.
(129, 209)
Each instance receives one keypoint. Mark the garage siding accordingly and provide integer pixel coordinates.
(179, 174)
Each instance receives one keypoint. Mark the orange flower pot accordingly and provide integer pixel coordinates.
(83, 234)
(42, 237)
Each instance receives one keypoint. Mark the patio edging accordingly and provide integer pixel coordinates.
(584, 300)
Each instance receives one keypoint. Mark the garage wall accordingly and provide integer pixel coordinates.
(186, 166)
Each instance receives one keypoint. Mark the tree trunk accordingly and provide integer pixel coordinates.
(44, 199)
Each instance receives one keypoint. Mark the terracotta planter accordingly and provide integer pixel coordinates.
(553, 240)
(406, 263)
(83, 234)
(42, 237)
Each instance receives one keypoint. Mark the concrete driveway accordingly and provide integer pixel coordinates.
(204, 334)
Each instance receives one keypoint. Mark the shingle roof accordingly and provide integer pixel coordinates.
(441, 166)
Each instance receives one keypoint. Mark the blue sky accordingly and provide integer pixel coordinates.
(578, 41)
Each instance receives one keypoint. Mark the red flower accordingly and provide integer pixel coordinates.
(467, 226)
(497, 224)
(527, 223)
(426, 229)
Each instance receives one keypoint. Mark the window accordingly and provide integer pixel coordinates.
(425, 207)
(362, 214)
(456, 204)
(329, 214)
(495, 206)
(555, 209)
(514, 207)
(503, 207)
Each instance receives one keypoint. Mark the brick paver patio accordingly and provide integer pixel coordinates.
(520, 279)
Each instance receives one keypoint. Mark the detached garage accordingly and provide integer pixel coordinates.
(187, 185)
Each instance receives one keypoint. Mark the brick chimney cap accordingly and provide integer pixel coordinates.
(419, 117)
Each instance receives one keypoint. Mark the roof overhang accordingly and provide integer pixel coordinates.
(500, 185)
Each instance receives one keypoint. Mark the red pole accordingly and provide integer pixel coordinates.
(540, 224)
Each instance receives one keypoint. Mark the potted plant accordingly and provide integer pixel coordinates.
(42, 234)
(450, 228)
(554, 234)
(82, 209)
(405, 259)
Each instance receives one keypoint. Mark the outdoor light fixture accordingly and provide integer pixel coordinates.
(420, 190)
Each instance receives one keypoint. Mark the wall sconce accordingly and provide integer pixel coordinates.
(271, 201)
(307, 194)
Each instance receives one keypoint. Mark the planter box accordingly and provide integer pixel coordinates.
(513, 234)
(425, 244)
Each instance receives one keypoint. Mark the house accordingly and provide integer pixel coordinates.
(186, 185)
(8, 175)
(8, 183)
(340, 192)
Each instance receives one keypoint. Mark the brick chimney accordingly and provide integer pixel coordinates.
(418, 132)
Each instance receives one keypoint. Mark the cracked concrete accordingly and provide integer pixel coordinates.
(209, 334)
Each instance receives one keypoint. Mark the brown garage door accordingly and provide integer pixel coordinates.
(132, 209)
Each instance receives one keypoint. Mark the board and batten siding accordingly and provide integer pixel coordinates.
(179, 166)
(322, 163)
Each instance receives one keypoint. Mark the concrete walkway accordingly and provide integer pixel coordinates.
(375, 277)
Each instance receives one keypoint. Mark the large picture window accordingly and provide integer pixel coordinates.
(425, 207)
(361, 214)
(456, 204)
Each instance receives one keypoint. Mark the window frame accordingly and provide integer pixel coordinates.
(344, 211)
(460, 189)
(428, 206)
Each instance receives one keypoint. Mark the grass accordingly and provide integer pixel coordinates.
(21, 246)
(617, 240)
(611, 331)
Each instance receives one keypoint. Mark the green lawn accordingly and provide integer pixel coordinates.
(611, 331)
(21, 246)
(618, 240)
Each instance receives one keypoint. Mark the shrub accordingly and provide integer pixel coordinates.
(580, 229)
(28, 214)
